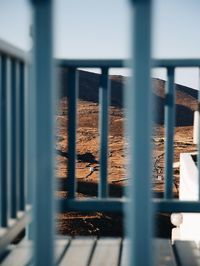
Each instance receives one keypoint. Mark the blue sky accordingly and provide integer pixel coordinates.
(100, 29)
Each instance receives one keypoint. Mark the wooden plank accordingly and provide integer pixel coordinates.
(163, 253)
(125, 253)
(15, 226)
(79, 252)
(60, 248)
(187, 253)
(19, 256)
(107, 252)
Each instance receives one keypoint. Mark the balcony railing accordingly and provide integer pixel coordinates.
(31, 105)
(168, 204)
(103, 202)
(14, 211)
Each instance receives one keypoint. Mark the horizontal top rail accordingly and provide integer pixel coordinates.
(13, 52)
(188, 62)
(118, 63)
(117, 205)
(109, 63)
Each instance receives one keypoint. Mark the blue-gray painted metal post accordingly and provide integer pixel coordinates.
(30, 147)
(26, 117)
(31, 143)
(72, 94)
(198, 157)
(9, 133)
(44, 109)
(14, 181)
(21, 129)
(138, 124)
(104, 133)
(3, 143)
(169, 132)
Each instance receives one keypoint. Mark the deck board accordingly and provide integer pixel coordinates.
(124, 261)
(163, 253)
(19, 256)
(60, 249)
(84, 251)
(78, 252)
(187, 253)
(106, 252)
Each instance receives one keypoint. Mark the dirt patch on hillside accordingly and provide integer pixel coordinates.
(88, 156)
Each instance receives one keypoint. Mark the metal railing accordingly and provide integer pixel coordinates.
(14, 212)
(41, 107)
(102, 202)
(105, 65)
(169, 204)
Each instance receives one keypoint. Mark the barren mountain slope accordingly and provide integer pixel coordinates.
(88, 113)
(88, 148)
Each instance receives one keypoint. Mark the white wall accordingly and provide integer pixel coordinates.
(188, 190)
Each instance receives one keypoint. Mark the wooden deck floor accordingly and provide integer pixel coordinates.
(87, 251)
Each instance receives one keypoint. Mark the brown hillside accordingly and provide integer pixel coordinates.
(186, 98)
(88, 149)
(88, 122)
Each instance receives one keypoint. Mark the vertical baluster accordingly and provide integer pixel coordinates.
(3, 143)
(138, 100)
(169, 133)
(31, 142)
(1, 72)
(44, 109)
(14, 84)
(25, 127)
(21, 129)
(72, 91)
(198, 158)
(9, 133)
(103, 127)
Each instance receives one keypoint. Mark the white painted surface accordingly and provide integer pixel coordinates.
(188, 190)
(196, 127)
